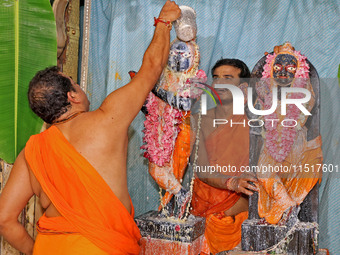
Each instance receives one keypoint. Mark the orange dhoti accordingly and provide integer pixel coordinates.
(91, 214)
(279, 191)
(225, 146)
(66, 244)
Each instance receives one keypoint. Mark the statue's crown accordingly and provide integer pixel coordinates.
(286, 47)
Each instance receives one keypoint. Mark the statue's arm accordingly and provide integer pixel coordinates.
(181, 103)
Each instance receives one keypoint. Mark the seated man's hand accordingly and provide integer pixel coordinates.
(246, 183)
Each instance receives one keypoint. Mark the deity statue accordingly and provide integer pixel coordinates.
(290, 159)
(167, 124)
(167, 133)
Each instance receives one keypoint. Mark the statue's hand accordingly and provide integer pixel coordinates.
(245, 183)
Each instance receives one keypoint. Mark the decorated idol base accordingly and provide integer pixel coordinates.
(153, 226)
(239, 252)
(296, 237)
(301, 239)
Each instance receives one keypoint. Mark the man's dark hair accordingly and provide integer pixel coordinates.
(244, 74)
(47, 94)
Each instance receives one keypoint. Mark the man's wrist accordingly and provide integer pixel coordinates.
(230, 184)
(162, 21)
(227, 183)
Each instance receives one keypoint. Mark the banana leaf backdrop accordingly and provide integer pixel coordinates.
(27, 44)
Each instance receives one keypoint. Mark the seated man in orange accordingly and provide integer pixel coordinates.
(78, 166)
(223, 199)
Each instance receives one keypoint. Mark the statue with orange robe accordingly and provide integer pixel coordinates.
(285, 138)
(167, 124)
(222, 197)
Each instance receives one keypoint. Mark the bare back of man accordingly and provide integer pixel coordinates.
(100, 136)
(105, 150)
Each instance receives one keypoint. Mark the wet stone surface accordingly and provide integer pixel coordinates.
(153, 226)
(257, 237)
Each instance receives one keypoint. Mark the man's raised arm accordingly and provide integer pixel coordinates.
(124, 103)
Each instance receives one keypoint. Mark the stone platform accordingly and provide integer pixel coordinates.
(239, 252)
(301, 239)
(170, 236)
(153, 226)
(153, 246)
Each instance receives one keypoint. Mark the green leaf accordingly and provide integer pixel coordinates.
(27, 44)
(339, 75)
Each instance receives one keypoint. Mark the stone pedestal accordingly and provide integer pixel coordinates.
(239, 252)
(153, 246)
(304, 240)
(300, 239)
(170, 236)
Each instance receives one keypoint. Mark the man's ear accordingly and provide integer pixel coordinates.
(72, 96)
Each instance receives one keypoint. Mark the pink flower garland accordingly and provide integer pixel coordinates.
(279, 140)
(162, 123)
(161, 129)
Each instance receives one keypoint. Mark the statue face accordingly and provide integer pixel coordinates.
(284, 69)
(180, 57)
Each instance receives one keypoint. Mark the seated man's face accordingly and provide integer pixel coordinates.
(284, 69)
(226, 75)
(180, 57)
